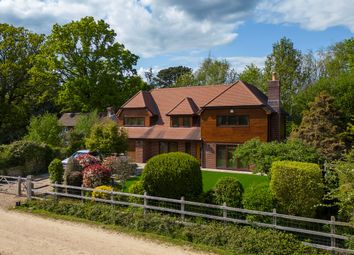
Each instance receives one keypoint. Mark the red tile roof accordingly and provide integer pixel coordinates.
(185, 107)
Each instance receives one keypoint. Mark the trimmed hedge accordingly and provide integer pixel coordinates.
(297, 187)
(173, 175)
(25, 158)
(230, 237)
(56, 171)
(229, 190)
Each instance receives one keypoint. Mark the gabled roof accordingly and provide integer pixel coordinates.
(186, 107)
(142, 99)
(238, 94)
(69, 119)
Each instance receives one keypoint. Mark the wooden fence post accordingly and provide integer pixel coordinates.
(19, 181)
(274, 217)
(82, 193)
(224, 211)
(182, 208)
(333, 232)
(145, 202)
(56, 191)
(29, 187)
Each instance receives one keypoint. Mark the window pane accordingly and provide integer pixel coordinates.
(174, 121)
(230, 153)
(186, 121)
(221, 156)
(232, 120)
(221, 120)
(243, 120)
(163, 147)
(173, 147)
(187, 147)
(134, 121)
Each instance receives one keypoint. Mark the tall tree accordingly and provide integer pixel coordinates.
(167, 77)
(286, 61)
(84, 61)
(18, 96)
(322, 127)
(253, 75)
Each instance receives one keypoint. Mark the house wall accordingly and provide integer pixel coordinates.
(258, 126)
(134, 113)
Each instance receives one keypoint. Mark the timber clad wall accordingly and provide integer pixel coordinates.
(258, 126)
(135, 113)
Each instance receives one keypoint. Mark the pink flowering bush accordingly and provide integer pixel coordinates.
(86, 160)
(96, 175)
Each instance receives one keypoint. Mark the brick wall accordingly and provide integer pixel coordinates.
(210, 155)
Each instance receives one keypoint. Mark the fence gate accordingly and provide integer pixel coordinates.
(14, 185)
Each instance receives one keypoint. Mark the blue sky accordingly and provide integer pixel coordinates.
(169, 32)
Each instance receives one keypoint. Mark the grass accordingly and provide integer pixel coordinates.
(210, 179)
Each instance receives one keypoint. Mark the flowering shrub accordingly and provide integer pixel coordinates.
(96, 175)
(120, 167)
(86, 160)
(97, 193)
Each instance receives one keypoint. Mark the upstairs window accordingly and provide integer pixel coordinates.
(174, 121)
(181, 121)
(186, 121)
(232, 120)
(134, 121)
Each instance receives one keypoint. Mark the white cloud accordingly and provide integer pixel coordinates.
(240, 62)
(311, 15)
(147, 27)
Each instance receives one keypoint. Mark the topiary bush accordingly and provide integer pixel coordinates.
(173, 175)
(25, 158)
(56, 171)
(229, 190)
(97, 193)
(297, 187)
(96, 175)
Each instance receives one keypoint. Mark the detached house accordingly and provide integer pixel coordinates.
(207, 122)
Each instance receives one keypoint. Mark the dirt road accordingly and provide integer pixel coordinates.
(28, 234)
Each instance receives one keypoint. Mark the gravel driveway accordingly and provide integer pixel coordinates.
(22, 233)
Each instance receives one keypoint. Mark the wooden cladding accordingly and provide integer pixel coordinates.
(127, 114)
(257, 126)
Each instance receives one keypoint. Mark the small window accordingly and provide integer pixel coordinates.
(188, 148)
(243, 120)
(134, 121)
(186, 121)
(174, 121)
(232, 120)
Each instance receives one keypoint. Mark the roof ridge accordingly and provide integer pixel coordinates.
(192, 86)
(258, 91)
(233, 84)
(180, 102)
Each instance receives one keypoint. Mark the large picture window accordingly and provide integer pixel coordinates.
(232, 120)
(224, 158)
(134, 121)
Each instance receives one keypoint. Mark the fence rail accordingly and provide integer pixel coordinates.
(329, 230)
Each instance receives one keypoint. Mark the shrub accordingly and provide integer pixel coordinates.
(45, 129)
(229, 190)
(263, 154)
(120, 167)
(136, 188)
(25, 158)
(86, 160)
(73, 178)
(56, 171)
(207, 197)
(97, 193)
(73, 165)
(296, 186)
(173, 175)
(106, 137)
(258, 197)
(96, 175)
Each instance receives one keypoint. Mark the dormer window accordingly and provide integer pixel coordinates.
(134, 121)
(181, 121)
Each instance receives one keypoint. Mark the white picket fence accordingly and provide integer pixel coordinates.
(327, 230)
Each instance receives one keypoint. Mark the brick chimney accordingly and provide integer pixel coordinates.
(275, 103)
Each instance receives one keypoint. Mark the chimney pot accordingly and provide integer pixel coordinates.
(274, 76)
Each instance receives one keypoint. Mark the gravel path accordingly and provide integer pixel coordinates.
(28, 234)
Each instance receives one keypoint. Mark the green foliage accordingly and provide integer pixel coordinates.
(263, 154)
(73, 178)
(45, 129)
(136, 188)
(321, 127)
(25, 158)
(253, 75)
(258, 197)
(120, 167)
(229, 190)
(89, 64)
(18, 96)
(106, 137)
(297, 187)
(85, 123)
(167, 77)
(229, 237)
(56, 171)
(97, 192)
(173, 175)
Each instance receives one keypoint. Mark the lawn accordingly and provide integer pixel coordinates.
(210, 179)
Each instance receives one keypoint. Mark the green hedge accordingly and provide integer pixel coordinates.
(25, 158)
(173, 175)
(233, 238)
(297, 187)
(229, 190)
(56, 171)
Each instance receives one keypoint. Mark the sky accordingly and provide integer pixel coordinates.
(166, 33)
